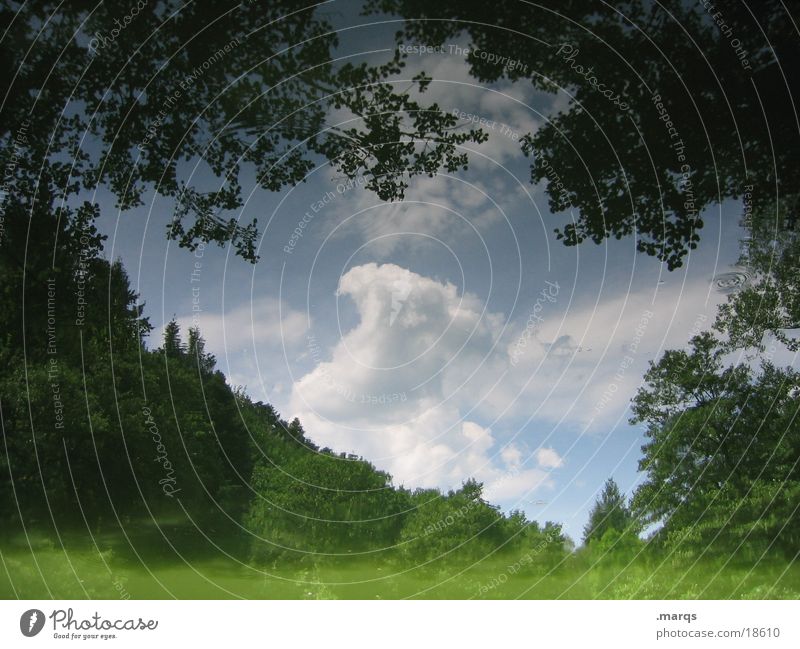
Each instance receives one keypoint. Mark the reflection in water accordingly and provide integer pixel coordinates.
(733, 280)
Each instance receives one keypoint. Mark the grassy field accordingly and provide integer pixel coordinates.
(130, 568)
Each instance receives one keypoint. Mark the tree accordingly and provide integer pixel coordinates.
(245, 91)
(248, 92)
(308, 502)
(196, 349)
(82, 396)
(768, 301)
(654, 92)
(609, 513)
(173, 347)
(458, 525)
(722, 457)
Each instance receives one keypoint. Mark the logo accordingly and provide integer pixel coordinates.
(31, 622)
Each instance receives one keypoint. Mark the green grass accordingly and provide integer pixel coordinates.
(39, 568)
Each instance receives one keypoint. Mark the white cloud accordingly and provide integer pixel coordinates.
(548, 458)
(251, 342)
(414, 333)
(516, 106)
(262, 321)
(393, 387)
(424, 385)
(436, 213)
(582, 362)
(439, 206)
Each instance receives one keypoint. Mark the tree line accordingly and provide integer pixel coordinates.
(98, 428)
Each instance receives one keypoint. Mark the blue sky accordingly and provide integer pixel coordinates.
(447, 337)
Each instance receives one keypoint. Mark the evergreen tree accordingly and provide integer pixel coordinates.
(196, 349)
(610, 512)
(173, 347)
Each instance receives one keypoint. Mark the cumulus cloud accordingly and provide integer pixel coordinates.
(413, 332)
(434, 387)
(393, 387)
(548, 458)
